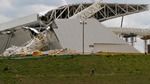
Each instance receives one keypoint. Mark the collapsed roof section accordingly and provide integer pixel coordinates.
(110, 11)
(11, 32)
(24, 21)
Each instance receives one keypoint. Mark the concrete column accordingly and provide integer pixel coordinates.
(83, 34)
(126, 39)
(132, 41)
(146, 48)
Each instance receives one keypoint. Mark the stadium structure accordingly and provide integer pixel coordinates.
(77, 27)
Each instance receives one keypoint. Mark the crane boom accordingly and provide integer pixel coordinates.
(88, 12)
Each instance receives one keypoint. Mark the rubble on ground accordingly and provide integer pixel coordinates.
(35, 46)
(62, 52)
(10, 52)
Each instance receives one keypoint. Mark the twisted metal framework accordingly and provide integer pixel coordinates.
(110, 11)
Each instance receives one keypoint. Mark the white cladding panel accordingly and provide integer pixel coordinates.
(19, 22)
(118, 48)
(69, 33)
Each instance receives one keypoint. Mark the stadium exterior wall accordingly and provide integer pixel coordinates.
(70, 33)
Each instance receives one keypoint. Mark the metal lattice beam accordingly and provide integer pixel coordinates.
(109, 11)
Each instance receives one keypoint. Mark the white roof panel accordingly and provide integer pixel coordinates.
(19, 22)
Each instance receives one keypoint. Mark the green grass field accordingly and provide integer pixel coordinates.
(88, 69)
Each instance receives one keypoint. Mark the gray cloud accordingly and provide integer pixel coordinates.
(19, 8)
(4, 19)
(129, 1)
(20, 3)
(138, 20)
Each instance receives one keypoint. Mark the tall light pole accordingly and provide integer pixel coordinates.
(83, 26)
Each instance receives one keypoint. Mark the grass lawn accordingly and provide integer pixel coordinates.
(88, 69)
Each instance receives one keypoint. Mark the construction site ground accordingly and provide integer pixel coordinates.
(76, 69)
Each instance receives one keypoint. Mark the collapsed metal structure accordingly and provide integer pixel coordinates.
(14, 33)
(110, 11)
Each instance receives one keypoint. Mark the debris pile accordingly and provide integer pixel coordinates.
(62, 52)
(21, 52)
(35, 46)
(37, 43)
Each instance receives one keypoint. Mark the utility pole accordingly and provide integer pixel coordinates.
(145, 44)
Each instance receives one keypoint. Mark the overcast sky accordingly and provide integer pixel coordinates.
(11, 9)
